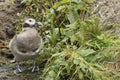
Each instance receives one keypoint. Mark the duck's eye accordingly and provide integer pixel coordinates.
(30, 20)
(34, 50)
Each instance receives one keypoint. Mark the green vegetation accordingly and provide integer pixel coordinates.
(75, 45)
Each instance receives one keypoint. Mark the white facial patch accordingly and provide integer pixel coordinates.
(30, 21)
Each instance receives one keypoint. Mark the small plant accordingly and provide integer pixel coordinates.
(71, 65)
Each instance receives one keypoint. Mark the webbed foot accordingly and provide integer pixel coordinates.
(34, 68)
(18, 70)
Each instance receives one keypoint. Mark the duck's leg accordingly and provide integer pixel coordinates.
(34, 68)
(18, 68)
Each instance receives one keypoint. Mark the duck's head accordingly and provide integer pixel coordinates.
(30, 23)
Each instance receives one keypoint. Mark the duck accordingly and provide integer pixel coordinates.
(27, 44)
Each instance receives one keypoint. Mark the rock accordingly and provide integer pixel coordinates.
(108, 11)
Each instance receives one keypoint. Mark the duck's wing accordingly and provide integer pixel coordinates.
(40, 46)
(12, 44)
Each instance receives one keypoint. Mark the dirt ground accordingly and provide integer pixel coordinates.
(8, 16)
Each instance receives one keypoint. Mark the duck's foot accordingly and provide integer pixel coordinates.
(34, 68)
(18, 70)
